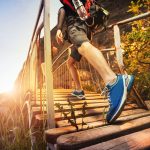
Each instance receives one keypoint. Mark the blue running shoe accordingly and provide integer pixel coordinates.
(78, 94)
(117, 94)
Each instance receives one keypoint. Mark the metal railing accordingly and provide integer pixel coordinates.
(90, 78)
(28, 79)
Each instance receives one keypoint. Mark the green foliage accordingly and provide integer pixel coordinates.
(137, 48)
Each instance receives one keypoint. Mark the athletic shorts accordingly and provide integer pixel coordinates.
(77, 34)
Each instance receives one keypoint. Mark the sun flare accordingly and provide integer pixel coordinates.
(7, 87)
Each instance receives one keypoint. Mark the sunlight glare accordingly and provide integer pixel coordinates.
(7, 87)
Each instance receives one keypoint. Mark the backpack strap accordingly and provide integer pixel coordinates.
(88, 5)
(68, 3)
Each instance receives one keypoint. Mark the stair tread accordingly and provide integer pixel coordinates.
(90, 119)
(125, 142)
(75, 102)
(90, 112)
(124, 123)
(90, 107)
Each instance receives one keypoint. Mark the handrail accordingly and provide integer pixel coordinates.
(36, 24)
(135, 18)
(29, 77)
(59, 66)
(54, 61)
(39, 29)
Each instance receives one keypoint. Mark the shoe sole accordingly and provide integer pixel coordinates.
(79, 97)
(122, 104)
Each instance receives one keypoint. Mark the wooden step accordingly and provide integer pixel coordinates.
(138, 141)
(62, 91)
(99, 117)
(74, 98)
(91, 110)
(77, 107)
(51, 135)
(124, 126)
(69, 94)
(75, 102)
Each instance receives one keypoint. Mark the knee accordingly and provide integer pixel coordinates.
(85, 45)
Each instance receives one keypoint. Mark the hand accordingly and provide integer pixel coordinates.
(59, 36)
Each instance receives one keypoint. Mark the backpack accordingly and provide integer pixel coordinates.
(98, 16)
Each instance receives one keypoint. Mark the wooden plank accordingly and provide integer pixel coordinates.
(97, 118)
(38, 103)
(61, 91)
(92, 108)
(51, 135)
(74, 98)
(98, 102)
(82, 101)
(78, 108)
(89, 112)
(136, 141)
(58, 115)
(69, 94)
(89, 106)
(123, 126)
(75, 103)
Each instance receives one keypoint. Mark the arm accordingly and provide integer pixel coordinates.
(61, 19)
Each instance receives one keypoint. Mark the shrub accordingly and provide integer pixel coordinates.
(137, 48)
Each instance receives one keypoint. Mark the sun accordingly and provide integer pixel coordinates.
(6, 88)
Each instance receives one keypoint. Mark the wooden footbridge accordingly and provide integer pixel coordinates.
(44, 86)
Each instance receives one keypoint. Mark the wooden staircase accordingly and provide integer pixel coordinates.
(94, 118)
(96, 105)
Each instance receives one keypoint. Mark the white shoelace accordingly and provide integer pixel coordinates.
(105, 92)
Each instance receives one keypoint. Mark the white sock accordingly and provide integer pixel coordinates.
(112, 81)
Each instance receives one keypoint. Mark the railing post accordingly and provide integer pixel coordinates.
(119, 56)
(119, 50)
(48, 66)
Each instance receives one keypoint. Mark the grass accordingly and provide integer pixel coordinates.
(15, 133)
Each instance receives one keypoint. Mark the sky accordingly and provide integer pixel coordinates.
(17, 20)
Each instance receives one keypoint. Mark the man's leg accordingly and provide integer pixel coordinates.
(78, 92)
(74, 72)
(96, 58)
(116, 85)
